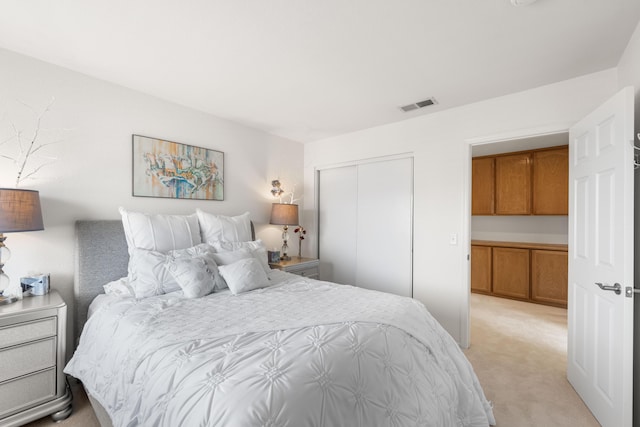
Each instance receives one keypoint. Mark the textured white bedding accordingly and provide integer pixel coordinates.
(300, 353)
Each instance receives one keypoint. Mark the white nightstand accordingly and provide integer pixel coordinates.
(307, 267)
(32, 355)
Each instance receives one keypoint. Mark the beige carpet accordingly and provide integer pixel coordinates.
(518, 350)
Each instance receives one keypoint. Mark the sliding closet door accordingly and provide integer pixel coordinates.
(365, 225)
(384, 253)
(337, 210)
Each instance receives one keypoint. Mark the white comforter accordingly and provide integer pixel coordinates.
(301, 353)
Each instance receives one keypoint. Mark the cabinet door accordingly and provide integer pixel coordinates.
(482, 186)
(549, 281)
(513, 184)
(551, 182)
(511, 272)
(481, 269)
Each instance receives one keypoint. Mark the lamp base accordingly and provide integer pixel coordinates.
(7, 300)
(285, 258)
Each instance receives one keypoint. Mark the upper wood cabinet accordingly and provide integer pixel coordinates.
(483, 186)
(551, 182)
(534, 182)
(513, 184)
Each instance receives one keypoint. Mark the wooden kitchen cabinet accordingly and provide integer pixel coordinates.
(551, 182)
(534, 182)
(549, 281)
(482, 186)
(534, 272)
(513, 184)
(481, 269)
(511, 272)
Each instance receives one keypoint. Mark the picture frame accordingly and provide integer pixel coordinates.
(274, 257)
(168, 169)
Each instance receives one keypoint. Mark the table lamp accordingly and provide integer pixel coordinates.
(19, 211)
(284, 214)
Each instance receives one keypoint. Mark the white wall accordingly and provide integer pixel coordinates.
(533, 228)
(91, 175)
(439, 143)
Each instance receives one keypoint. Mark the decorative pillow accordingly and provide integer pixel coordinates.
(148, 275)
(216, 228)
(202, 252)
(119, 288)
(257, 249)
(158, 232)
(244, 275)
(226, 258)
(193, 275)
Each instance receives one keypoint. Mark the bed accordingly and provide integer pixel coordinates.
(298, 352)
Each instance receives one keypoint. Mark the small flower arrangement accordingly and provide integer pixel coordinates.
(301, 232)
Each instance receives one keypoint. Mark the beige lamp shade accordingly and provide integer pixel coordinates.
(20, 210)
(283, 214)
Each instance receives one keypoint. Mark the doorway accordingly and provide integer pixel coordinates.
(522, 236)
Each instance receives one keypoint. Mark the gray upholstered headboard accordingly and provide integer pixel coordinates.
(101, 257)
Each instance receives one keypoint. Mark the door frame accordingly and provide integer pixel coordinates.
(465, 338)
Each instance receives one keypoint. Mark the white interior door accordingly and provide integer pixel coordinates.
(600, 321)
(337, 226)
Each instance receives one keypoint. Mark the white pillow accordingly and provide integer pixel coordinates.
(158, 232)
(244, 275)
(257, 249)
(193, 275)
(216, 228)
(148, 275)
(119, 288)
(226, 258)
(203, 252)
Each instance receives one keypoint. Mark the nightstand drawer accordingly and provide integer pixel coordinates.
(310, 272)
(24, 359)
(27, 331)
(28, 391)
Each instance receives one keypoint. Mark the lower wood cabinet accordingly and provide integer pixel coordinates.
(525, 271)
(510, 272)
(549, 277)
(481, 269)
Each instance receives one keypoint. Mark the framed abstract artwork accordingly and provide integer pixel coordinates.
(177, 171)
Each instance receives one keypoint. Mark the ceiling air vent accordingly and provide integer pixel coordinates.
(417, 105)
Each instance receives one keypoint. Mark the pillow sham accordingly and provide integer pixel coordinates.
(214, 228)
(226, 258)
(159, 232)
(244, 275)
(148, 275)
(193, 275)
(203, 252)
(256, 248)
(119, 288)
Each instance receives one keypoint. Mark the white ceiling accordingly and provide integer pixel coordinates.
(311, 69)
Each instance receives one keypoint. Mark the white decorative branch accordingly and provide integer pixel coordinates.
(28, 149)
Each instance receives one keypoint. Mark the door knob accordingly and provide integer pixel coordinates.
(615, 288)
